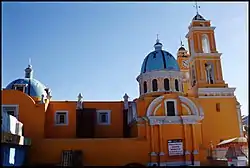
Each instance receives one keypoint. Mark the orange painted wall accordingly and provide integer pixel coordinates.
(219, 125)
(115, 130)
(98, 152)
(134, 130)
(67, 131)
(30, 114)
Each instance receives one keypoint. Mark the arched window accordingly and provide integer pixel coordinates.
(171, 110)
(166, 84)
(205, 44)
(154, 84)
(176, 83)
(209, 73)
(145, 87)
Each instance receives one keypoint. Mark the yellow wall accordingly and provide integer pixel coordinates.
(115, 130)
(97, 152)
(133, 130)
(219, 125)
(108, 147)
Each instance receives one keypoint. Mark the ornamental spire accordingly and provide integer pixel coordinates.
(158, 45)
(196, 7)
(181, 42)
(157, 38)
(28, 70)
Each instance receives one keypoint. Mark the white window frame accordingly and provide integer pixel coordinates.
(175, 107)
(12, 153)
(103, 111)
(66, 118)
(20, 85)
(16, 106)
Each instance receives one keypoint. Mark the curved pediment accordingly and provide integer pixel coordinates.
(184, 108)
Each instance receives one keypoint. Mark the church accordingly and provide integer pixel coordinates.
(184, 107)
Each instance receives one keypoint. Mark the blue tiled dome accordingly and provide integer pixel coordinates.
(34, 87)
(159, 60)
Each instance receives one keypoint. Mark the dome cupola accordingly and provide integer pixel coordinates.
(160, 72)
(158, 45)
(159, 60)
(28, 84)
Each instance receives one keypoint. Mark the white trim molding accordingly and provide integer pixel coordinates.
(152, 153)
(205, 56)
(134, 109)
(65, 112)
(15, 106)
(186, 107)
(190, 103)
(159, 75)
(192, 28)
(177, 163)
(238, 110)
(161, 154)
(158, 106)
(153, 104)
(152, 164)
(216, 92)
(161, 120)
(175, 106)
(108, 112)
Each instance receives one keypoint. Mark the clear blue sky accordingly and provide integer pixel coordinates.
(98, 48)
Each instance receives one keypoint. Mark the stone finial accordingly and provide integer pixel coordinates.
(79, 101)
(42, 99)
(48, 92)
(125, 97)
(79, 97)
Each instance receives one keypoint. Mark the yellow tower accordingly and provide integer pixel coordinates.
(205, 62)
(183, 61)
(218, 101)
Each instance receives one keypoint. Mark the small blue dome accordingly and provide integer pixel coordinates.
(159, 60)
(34, 87)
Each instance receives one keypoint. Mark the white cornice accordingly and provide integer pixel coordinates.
(213, 97)
(161, 120)
(216, 92)
(212, 90)
(207, 56)
(159, 74)
(199, 28)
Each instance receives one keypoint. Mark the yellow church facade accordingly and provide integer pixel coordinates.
(183, 108)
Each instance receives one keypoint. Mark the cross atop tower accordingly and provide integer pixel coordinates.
(157, 38)
(196, 7)
(181, 42)
(29, 62)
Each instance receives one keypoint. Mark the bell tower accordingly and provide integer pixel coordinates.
(183, 61)
(205, 63)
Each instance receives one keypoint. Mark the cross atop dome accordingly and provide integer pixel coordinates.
(158, 45)
(29, 65)
(157, 38)
(28, 70)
